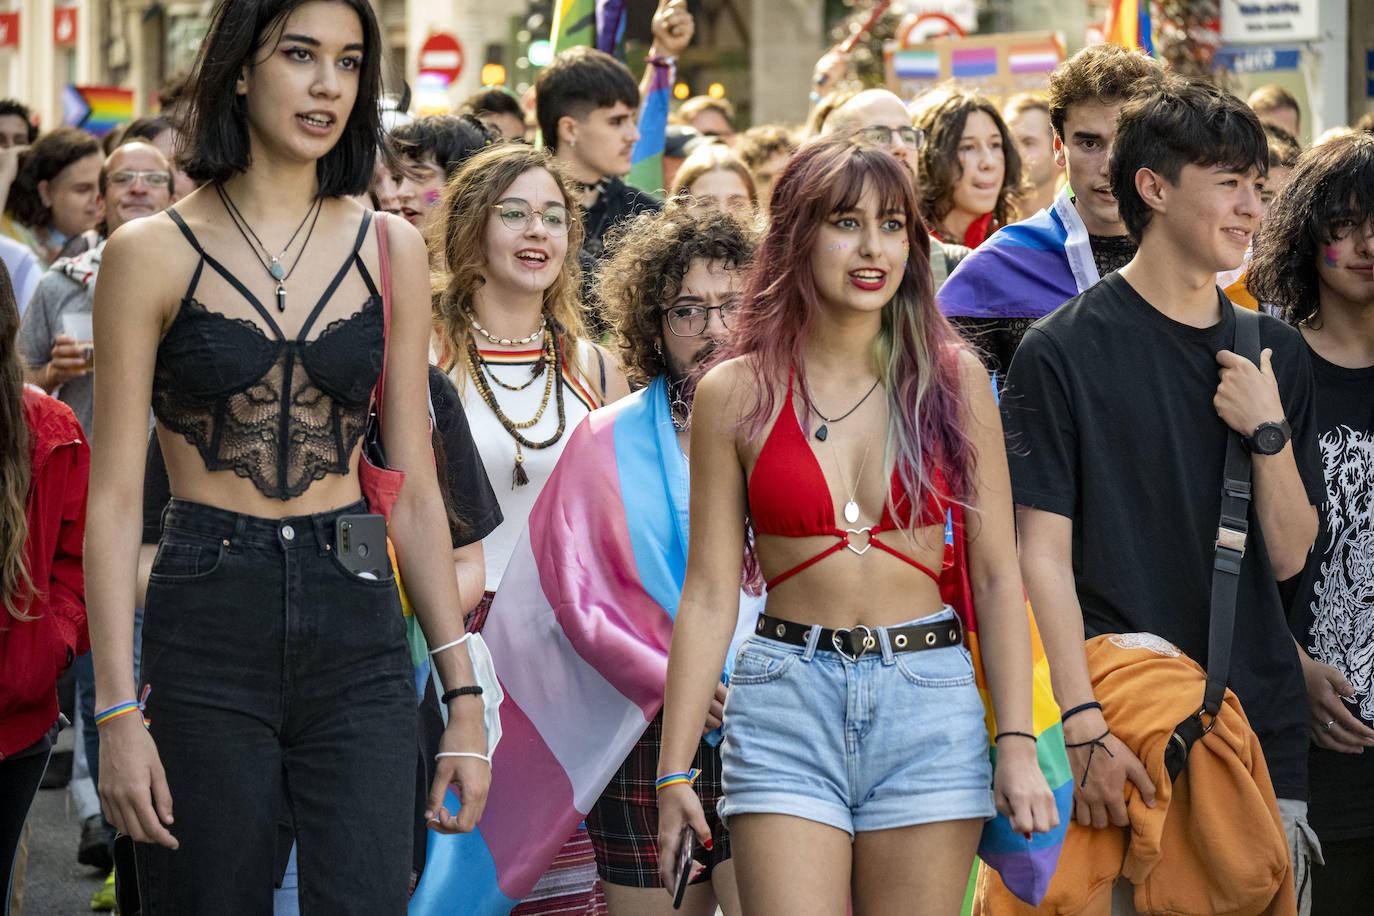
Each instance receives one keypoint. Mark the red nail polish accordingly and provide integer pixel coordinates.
(708, 842)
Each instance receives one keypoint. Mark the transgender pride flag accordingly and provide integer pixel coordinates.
(579, 633)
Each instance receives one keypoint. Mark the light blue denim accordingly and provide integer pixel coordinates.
(887, 740)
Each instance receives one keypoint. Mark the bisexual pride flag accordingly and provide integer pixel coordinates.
(1025, 270)
(579, 633)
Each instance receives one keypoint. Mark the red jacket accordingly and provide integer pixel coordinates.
(34, 652)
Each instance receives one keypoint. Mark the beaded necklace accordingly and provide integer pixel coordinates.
(552, 386)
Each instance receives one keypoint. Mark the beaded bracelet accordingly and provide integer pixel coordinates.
(676, 779)
(111, 713)
(472, 690)
(1008, 734)
(1081, 707)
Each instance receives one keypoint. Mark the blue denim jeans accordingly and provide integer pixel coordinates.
(274, 669)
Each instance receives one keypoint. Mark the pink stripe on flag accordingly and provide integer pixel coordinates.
(577, 712)
(525, 778)
(599, 609)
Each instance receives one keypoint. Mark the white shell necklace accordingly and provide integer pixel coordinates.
(851, 507)
(506, 341)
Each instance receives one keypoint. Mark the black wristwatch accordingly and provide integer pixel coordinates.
(1269, 438)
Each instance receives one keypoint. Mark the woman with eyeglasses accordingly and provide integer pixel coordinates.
(969, 168)
(511, 337)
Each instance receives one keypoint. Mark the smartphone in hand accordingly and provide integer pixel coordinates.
(685, 841)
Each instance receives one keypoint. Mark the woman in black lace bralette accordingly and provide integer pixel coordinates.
(256, 320)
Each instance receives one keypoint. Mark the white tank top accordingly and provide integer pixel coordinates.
(497, 447)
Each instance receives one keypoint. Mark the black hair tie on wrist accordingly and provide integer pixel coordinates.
(473, 690)
(1081, 707)
(1007, 734)
(1093, 745)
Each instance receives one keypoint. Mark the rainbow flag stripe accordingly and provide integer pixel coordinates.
(1128, 25)
(97, 109)
(966, 62)
(579, 633)
(1025, 864)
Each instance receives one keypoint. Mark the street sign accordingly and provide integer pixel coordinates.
(443, 55)
(64, 26)
(1266, 21)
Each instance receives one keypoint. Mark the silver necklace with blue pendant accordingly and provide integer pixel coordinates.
(272, 263)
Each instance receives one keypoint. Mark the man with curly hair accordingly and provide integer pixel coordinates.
(670, 288)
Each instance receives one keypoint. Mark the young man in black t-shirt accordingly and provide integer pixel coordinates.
(1117, 432)
(1315, 261)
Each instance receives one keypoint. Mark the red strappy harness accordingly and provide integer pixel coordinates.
(789, 496)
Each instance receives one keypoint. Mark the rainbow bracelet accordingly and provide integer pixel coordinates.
(676, 779)
(123, 709)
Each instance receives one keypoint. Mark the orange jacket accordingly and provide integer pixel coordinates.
(1214, 842)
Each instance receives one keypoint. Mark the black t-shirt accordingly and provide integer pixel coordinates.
(1332, 615)
(469, 491)
(1109, 417)
(616, 202)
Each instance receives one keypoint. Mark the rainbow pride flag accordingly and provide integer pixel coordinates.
(574, 23)
(97, 109)
(1024, 270)
(1025, 863)
(646, 171)
(1128, 25)
(579, 633)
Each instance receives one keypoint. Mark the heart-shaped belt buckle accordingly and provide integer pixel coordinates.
(866, 642)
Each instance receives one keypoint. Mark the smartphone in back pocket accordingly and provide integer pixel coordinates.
(360, 542)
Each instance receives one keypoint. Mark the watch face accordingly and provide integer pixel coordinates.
(1269, 439)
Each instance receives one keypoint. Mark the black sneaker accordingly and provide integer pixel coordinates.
(94, 851)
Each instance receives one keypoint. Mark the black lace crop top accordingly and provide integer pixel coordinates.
(281, 413)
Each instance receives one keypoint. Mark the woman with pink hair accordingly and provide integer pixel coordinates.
(849, 416)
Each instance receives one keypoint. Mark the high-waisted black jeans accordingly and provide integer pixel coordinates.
(273, 667)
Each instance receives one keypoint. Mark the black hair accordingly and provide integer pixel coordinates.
(1178, 122)
(450, 139)
(492, 101)
(1105, 73)
(20, 110)
(1284, 148)
(147, 129)
(577, 82)
(44, 161)
(215, 146)
(1331, 193)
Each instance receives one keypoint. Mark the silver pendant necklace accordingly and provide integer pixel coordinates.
(851, 506)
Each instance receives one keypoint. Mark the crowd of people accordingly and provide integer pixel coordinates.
(1038, 348)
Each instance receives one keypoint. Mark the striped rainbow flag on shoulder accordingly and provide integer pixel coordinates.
(1128, 25)
(1025, 864)
(579, 633)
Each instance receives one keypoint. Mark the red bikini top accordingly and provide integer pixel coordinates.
(789, 496)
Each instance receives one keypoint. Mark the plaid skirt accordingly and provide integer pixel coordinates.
(623, 823)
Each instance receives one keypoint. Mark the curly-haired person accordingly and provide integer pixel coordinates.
(671, 289)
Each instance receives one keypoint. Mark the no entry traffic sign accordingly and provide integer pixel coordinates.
(442, 54)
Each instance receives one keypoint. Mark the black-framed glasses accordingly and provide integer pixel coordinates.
(126, 178)
(516, 214)
(911, 137)
(690, 320)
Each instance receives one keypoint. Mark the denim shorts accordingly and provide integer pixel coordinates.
(886, 740)
(276, 673)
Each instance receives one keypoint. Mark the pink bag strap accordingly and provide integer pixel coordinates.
(384, 266)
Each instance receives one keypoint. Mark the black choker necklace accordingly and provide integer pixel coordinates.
(824, 430)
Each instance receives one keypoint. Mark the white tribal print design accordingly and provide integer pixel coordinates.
(1342, 632)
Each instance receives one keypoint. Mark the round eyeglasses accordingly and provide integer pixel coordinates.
(911, 137)
(690, 320)
(516, 214)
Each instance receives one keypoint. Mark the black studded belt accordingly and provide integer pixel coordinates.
(856, 641)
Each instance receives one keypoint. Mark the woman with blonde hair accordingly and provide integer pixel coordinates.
(511, 337)
(716, 177)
